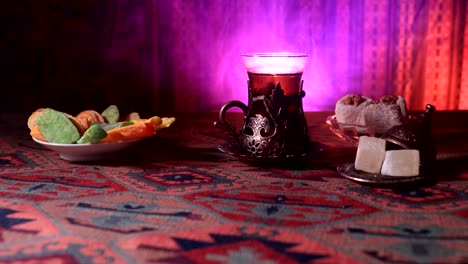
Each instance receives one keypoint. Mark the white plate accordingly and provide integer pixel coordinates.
(87, 152)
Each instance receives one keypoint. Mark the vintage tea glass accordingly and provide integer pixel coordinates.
(274, 123)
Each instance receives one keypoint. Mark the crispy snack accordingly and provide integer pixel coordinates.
(56, 127)
(35, 130)
(33, 117)
(111, 114)
(77, 124)
(154, 122)
(140, 129)
(166, 122)
(88, 118)
(36, 133)
(131, 116)
(90, 127)
(107, 126)
(92, 135)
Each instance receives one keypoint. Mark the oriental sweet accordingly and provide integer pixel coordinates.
(369, 115)
(373, 157)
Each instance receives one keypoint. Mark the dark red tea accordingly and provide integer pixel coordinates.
(295, 131)
(263, 83)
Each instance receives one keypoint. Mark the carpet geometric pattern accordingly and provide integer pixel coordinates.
(177, 199)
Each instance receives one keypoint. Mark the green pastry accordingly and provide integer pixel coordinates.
(92, 135)
(56, 127)
(111, 114)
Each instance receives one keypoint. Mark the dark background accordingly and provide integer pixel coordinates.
(63, 55)
(160, 57)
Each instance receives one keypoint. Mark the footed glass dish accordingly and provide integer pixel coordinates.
(349, 132)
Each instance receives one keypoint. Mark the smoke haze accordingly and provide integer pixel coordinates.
(204, 40)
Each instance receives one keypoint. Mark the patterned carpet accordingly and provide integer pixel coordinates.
(175, 198)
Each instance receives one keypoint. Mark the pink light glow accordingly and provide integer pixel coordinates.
(260, 37)
(210, 39)
(274, 63)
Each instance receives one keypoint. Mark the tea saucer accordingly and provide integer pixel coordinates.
(233, 148)
(348, 171)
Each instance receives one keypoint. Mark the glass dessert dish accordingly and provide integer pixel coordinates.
(349, 132)
(415, 134)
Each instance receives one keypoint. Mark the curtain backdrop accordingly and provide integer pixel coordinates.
(184, 55)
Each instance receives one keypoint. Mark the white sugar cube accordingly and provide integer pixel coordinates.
(404, 162)
(370, 154)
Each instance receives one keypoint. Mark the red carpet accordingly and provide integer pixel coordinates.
(175, 198)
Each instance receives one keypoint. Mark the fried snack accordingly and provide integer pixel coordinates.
(166, 122)
(140, 129)
(32, 118)
(36, 133)
(131, 116)
(88, 118)
(90, 127)
(56, 127)
(155, 122)
(77, 124)
(92, 135)
(108, 127)
(111, 114)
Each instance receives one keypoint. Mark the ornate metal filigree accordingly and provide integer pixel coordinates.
(259, 139)
(271, 129)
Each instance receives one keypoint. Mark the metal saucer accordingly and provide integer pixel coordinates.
(348, 171)
(234, 149)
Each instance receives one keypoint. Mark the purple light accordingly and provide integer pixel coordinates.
(206, 42)
(260, 39)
